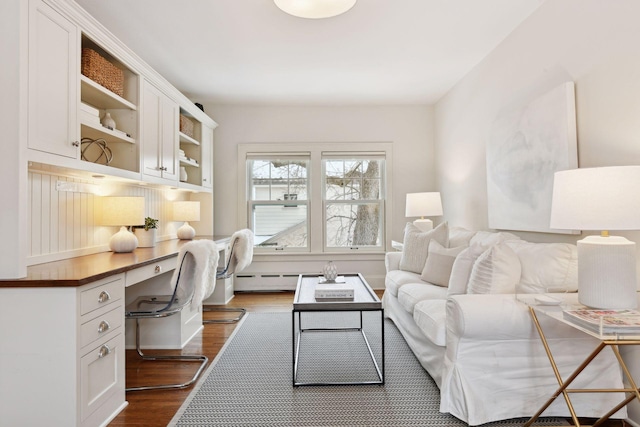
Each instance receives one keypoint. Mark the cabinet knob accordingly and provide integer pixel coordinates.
(158, 269)
(104, 296)
(103, 326)
(75, 144)
(104, 351)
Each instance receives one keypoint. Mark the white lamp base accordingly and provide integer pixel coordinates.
(186, 232)
(423, 224)
(607, 272)
(123, 241)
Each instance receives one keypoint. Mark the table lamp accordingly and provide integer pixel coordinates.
(186, 211)
(603, 198)
(423, 204)
(123, 212)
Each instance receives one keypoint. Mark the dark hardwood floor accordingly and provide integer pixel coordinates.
(155, 408)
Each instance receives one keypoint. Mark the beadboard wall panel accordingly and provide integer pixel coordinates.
(63, 224)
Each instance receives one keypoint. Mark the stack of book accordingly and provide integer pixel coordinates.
(606, 321)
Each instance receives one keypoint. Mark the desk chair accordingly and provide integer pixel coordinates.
(189, 276)
(240, 257)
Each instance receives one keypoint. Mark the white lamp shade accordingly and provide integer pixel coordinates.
(119, 211)
(186, 211)
(605, 198)
(423, 204)
(315, 9)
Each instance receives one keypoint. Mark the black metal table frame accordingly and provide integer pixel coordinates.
(300, 330)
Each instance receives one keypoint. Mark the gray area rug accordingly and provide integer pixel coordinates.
(250, 381)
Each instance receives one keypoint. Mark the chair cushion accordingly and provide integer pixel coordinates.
(430, 316)
(496, 271)
(412, 293)
(437, 269)
(416, 245)
(397, 278)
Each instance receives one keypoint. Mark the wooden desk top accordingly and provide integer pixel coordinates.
(89, 268)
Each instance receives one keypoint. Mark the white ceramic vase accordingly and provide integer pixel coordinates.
(330, 271)
(183, 174)
(108, 122)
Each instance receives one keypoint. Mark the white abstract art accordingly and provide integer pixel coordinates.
(526, 146)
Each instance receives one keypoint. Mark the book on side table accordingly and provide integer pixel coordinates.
(622, 321)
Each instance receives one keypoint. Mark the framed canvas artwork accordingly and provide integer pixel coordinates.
(527, 144)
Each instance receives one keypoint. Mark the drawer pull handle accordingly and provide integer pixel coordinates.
(104, 296)
(104, 351)
(103, 326)
(158, 269)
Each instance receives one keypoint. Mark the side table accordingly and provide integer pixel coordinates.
(614, 341)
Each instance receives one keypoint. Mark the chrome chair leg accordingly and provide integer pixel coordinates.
(210, 308)
(202, 359)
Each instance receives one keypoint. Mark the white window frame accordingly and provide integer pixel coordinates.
(315, 202)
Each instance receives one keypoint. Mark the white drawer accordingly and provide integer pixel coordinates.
(143, 273)
(102, 325)
(102, 293)
(102, 374)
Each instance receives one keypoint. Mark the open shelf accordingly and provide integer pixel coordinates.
(101, 97)
(189, 163)
(187, 139)
(96, 130)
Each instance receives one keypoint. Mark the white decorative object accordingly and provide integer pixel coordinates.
(122, 211)
(604, 199)
(526, 146)
(330, 271)
(108, 122)
(315, 9)
(146, 238)
(186, 211)
(183, 174)
(423, 204)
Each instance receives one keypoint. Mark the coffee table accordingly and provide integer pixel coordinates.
(304, 302)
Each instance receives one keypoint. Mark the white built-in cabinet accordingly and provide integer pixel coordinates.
(146, 142)
(53, 76)
(159, 135)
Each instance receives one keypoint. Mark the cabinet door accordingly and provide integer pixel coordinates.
(170, 117)
(206, 160)
(159, 134)
(53, 82)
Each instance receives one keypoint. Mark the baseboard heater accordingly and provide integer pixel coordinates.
(265, 281)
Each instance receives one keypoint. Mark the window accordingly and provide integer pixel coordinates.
(353, 201)
(323, 200)
(278, 201)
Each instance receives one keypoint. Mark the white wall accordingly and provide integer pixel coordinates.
(409, 128)
(593, 43)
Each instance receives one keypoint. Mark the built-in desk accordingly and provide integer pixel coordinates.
(62, 334)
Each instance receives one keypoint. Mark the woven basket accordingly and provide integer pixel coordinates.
(186, 125)
(102, 71)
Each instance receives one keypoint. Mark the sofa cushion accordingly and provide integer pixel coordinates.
(461, 269)
(416, 245)
(397, 278)
(496, 271)
(430, 316)
(460, 236)
(412, 293)
(437, 268)
(490, 238)
(547, 267)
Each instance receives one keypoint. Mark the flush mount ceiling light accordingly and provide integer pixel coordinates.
(315, 9)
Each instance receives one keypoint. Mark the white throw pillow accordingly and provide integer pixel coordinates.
(547, 267)
(461, 270)
(416, 245)
(437, 269)
(490, 238)
(496, 271)
(460, 236)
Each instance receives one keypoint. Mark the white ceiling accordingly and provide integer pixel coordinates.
(250, 52)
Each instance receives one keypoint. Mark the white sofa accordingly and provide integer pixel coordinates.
(473, 336)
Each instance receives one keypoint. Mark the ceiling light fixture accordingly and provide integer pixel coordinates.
(315, 9)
